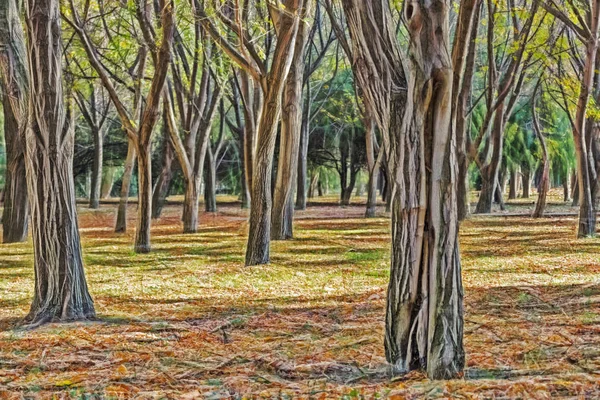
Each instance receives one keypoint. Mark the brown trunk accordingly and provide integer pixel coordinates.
(314, 182)
(526, 182)
(259, 235)
(96, 183)
(144, 209)
(14, 82)
(373, 167)
(121, 224)
(163, 184)
(513, 183)
(210, 183)
(190, 207)
(302, 178)
(15, 217)
(282, 218)
(60, 287)
(490, 171)
(544, 184)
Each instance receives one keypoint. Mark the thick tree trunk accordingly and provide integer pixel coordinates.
(96, 183)
(15, 84)
(61, 291)
(210, 183)
(259, 235)
(121, 224)
(190, 207)
(163, 184)
(144, 210)
(544, 184)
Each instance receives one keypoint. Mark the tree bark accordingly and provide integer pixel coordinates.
(96, 183)
(259, 236)
(108, 180)
(15, 84)
(121, 223)
(163, 184)
(490, 171)
(544, 184)
(210, 183)
(373, 162)
(15, 217)
(282, 218)
(61, 292)
(566, 184)
(526, 183)
(424, 316)
(513, 183)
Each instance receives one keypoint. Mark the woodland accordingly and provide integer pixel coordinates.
(231, 199)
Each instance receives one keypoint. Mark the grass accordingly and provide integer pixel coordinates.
(188, 320)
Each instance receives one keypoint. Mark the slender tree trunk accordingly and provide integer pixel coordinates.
(526, 180)
(163, 184)
(566, 184)
(282, 218)
(210, 183)
(490, 172)
(513, 183)
(96, 182)
(61, 291)
(302, 178)
(544, 184)
(14, 81)
(121, 224)
(144, 214)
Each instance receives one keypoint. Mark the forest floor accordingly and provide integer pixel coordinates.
(190, 321)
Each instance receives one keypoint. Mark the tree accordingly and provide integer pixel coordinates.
(291, 130)
(271, 80)
(424, 318)
(544, 184)
(61, 291)
(586, 30)
(95, 112)
(15, 84)
(139, 136)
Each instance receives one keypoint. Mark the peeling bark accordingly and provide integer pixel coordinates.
(61, 292)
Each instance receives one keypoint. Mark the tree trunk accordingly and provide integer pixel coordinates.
(15, 84)
(544, 184)
(424, 319)
(566, 184)
(490, 172)
(314, 182)
(144, 214)
(190, 207)
(61, 291)
(210, 183)
(163, 184)
(121, 224)
(373, 162)
(259, 235)
(15, 217)
(513, 184)
(302, 178)
(108, 180)
(526, 180)
(282, 218)
(96, 182)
